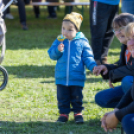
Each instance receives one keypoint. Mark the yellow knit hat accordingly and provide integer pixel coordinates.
(76, 18)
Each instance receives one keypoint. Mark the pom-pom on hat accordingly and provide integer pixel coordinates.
(75, 18)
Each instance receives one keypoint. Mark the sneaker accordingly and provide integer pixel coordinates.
(24, 27)
(52, 17)
(78, 118)
(63, 118)
(9, 16)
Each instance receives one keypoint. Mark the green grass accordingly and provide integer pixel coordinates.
(28, 104)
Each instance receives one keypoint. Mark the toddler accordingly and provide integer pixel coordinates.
(72, 52)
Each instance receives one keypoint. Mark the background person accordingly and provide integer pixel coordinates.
(52, 10)
(36, 9)
(22, 13)
(68, 9)
(102, 13)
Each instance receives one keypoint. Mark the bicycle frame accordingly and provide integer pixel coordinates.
(8, 4)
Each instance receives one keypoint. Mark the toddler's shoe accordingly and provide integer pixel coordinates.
(78, 118)
(63, 118)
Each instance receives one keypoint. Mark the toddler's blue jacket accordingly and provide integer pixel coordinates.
(70, 67)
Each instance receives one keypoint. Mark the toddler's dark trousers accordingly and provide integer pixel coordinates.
(67, 95)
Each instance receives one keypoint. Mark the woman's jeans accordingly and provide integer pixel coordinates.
(109, 98)
(128, 123)
(128, 6)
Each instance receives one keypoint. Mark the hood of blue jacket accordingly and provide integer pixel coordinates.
(80, 35)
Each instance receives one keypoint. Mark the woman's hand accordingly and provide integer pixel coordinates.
(111, 121)
(97, 70)
(61, 47)
(103, 121)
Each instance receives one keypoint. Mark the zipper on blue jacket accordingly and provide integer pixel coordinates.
(67, 80)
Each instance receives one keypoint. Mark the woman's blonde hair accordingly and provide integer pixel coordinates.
(129, 29)
(122, 20)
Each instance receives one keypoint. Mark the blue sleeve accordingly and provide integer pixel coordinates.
(87, 57)
(53, 52)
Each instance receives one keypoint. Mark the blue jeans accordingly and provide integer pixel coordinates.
(128, 6)
(128, 123)
(109, 98)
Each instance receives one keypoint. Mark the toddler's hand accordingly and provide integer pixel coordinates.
(97, 70)
(61, 47)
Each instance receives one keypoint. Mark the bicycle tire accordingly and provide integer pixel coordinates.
(4, 75)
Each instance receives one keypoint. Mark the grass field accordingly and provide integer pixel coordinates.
(28, 104)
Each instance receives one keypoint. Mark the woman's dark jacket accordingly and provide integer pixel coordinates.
(126, 104)
(119, 70)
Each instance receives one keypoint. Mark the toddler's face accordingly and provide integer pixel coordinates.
(120, 34)
(130, 41)
(68, 30)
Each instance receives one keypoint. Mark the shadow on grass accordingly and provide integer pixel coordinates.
(47, 81)
(26, 71)
(93, 80)
(33, 71)
(114, 54)
(45, 127)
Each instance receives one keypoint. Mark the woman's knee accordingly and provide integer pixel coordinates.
(127, 83)
(127, 80)
(128, 123)
(99, 99)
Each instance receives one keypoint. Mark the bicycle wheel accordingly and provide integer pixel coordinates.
(3, 78)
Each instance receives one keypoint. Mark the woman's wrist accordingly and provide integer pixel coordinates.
(116, 109)
(116, 117)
